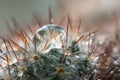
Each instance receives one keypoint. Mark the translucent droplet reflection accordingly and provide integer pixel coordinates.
(48, 37)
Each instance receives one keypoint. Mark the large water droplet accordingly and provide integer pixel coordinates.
(48, 37)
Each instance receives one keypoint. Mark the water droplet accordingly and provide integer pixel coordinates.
(48, 37)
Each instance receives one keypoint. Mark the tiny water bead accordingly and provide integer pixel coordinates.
(48, 37)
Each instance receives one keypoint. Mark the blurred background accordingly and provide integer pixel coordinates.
(21, 10)
(92, 13)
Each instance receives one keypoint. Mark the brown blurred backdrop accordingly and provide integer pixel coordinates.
(92, 13)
